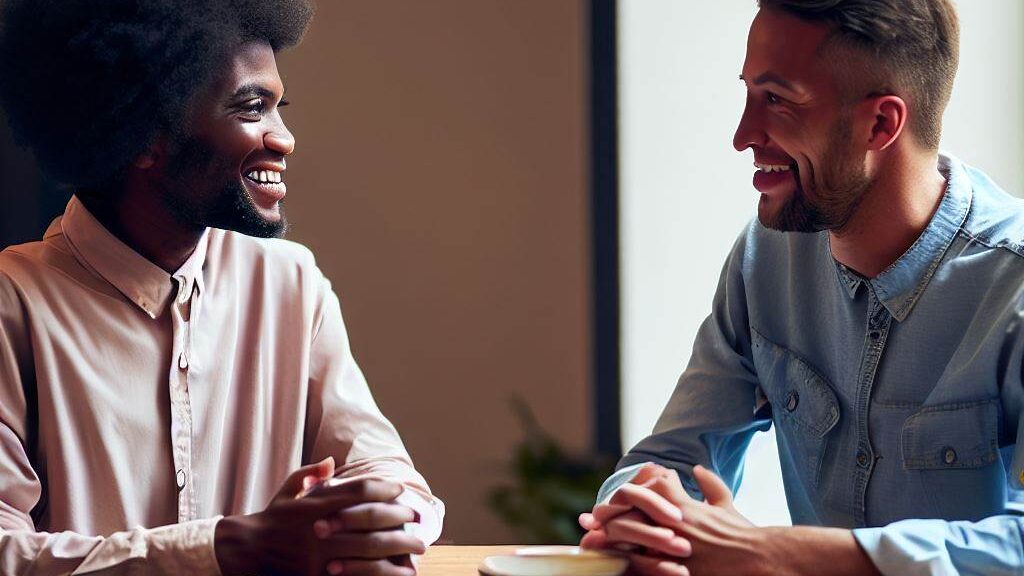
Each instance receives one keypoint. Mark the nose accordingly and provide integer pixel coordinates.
(749, 133)
(280, 140)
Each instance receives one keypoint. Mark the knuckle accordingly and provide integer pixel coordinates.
(376, 543)
(371, 516)
(360, 488)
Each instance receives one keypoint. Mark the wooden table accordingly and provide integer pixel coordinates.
(457, 560)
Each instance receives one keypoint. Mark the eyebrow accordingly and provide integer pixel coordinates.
(771, 78)
(253, 89)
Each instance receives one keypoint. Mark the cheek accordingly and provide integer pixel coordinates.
(236, 144)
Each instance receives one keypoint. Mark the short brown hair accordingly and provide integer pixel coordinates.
(909, 47)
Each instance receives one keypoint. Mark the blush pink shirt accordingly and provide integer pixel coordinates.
(137, 407)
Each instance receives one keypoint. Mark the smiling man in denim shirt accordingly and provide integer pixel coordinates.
(874, 315)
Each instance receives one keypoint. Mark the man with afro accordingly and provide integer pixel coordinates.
(177, 391)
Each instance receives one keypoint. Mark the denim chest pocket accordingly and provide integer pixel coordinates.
(804, 407)
(954, 449)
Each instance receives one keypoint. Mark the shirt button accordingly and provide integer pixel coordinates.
(182, 361)
(862, 459)
(792, 401)
(181, 479)
(875, 334)
(949, 456)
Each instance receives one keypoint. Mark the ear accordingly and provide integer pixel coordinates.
(887, 116)
(156, 151)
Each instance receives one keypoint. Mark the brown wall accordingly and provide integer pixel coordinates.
(440, 178)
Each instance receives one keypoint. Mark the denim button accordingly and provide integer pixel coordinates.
(875, 334)
(792, 401)
(862, 459)
(949, 456)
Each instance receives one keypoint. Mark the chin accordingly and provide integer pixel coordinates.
(236, 211)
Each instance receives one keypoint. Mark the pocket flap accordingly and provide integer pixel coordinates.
(956, 435)
(794, 388)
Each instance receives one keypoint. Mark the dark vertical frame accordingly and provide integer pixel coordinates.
(604, 189)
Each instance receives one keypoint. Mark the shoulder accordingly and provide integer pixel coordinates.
(37, 264)
(285, 268)
(996, 218)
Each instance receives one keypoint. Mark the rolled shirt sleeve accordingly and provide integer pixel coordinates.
(992, 547)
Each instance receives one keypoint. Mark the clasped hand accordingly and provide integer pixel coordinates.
(310, 528)
(666, 532)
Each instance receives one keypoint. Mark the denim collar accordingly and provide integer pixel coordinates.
(900, 285)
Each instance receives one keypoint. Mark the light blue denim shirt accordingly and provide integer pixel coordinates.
(896, 400)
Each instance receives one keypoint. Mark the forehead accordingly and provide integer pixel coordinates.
(250, 63)
(787, 46)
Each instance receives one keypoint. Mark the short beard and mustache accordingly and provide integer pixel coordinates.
(226, 205)
(833, 198)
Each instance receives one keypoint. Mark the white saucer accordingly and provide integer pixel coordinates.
(554, 561)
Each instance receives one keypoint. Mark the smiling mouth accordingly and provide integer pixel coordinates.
(266, 188)
(265, 177)
(770, 168)
(776, 177)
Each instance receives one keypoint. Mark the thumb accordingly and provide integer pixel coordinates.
(303, 478)
(715, 491)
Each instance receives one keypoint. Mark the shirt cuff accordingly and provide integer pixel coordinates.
(185, 548)
(905, 550)
(431, 515)
(616, 481)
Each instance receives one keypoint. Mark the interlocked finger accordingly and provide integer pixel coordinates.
(374, 545)
(367, 517)
(657, 507)
(605, 512)
(632, 529)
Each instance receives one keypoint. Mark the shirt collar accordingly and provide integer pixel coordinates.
(900, 285)
(144, 283)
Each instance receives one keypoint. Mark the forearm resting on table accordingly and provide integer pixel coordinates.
(811, 550)
(186, 548)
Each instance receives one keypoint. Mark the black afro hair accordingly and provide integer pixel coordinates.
(88, 84)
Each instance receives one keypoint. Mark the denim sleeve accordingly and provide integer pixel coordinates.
(714, 410)
(992, 547)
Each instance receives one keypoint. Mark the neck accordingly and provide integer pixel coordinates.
(146, 225)
(893, 214)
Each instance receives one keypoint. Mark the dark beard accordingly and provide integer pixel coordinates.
(226, 206)
(835, 198)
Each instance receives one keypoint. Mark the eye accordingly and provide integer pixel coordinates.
(772, 98)
(252, 109)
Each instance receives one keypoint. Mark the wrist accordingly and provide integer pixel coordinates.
(768, 552)
(231, 544)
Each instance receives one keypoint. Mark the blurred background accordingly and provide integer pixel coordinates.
(524, 206)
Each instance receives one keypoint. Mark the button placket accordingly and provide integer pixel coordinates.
(877, 331)
(181, 410)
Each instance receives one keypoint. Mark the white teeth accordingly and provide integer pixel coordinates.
(771, 167)
(265, 176)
